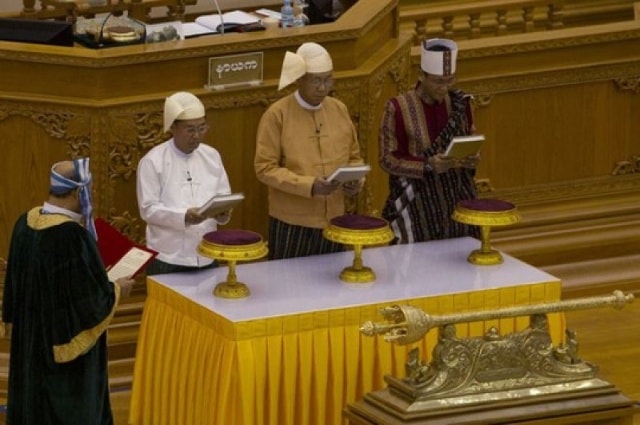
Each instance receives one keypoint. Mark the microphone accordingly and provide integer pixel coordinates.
(189, 179)
(221, 26)
(318, 128)
(183, 10)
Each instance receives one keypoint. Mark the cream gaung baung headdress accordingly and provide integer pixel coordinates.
(310, 57)
(182, 106)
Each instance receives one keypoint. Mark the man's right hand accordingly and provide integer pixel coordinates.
(192, 216)
(441, 164)
(126, 285)
(322, 187)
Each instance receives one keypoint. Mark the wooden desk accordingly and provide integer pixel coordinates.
(291, 353)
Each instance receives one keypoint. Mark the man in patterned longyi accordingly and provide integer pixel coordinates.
(416, 128)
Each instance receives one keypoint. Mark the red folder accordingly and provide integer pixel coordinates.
(113, 245)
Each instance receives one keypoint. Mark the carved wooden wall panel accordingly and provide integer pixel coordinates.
(34, 136)
(557, 134)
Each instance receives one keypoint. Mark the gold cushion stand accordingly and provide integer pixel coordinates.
(486, 213)
(358, 230)
(232, 246)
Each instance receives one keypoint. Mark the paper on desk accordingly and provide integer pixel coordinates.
(192, 29)
(233, 17)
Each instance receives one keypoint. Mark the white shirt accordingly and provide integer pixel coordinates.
(168, 183)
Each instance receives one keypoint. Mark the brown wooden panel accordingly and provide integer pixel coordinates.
(31, 143)
(556, 134)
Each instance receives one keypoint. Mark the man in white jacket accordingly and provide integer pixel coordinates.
(173, 180)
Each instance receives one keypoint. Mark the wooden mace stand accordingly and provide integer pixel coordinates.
(602, 407)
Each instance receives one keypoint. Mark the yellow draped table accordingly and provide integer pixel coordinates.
(291, 353)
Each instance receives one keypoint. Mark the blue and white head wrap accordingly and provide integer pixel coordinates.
(81, 179)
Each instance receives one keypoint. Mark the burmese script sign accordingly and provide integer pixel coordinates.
(233, 70)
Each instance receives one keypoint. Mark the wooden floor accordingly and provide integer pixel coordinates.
(609, 338)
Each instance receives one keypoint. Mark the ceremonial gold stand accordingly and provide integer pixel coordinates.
(243, 245)
(358, 231)
(486, 213)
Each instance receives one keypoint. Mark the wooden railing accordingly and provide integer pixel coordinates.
(473, 19)
(70, 10)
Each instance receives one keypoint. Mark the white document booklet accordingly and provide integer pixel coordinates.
(349, 173)
(220, 203)
(463, 146)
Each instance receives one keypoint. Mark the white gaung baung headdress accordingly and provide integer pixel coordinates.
(182, 106)
(439, 62)
(310, 57)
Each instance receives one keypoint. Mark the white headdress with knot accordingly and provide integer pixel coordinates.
(182, 106)
(310, 57)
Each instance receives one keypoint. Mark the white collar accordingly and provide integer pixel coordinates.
(304, 104)
(178, 152)
(53, 209)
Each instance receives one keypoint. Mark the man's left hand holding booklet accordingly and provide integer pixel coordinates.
(121, 256)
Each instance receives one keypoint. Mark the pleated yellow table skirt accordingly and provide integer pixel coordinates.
(194, 367)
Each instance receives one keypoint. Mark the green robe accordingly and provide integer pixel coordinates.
(59, 302)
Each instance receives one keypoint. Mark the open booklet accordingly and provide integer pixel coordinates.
(130, 264)
(349, 173)
(121, 256)
(220, 203)
(463, 146)
(209, 24)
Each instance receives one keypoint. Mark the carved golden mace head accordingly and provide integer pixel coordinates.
(407, 324)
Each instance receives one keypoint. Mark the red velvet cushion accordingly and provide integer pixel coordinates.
(232, 237)
(490, 205)
(358, 222)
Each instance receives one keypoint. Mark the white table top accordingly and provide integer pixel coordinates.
(300, 285)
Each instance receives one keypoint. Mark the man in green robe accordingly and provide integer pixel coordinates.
(58, 302)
